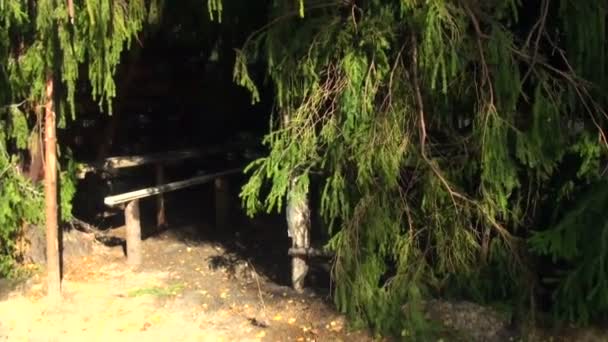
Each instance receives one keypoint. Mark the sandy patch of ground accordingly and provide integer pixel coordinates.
(182, 292)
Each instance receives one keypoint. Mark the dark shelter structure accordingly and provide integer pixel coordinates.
(178, 116)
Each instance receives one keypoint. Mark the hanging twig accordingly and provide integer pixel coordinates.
(423, 136)
(541, 29)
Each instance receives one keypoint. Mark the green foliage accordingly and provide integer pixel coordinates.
(37, 43)
(440, 130)
(20, 201)
(580, 240)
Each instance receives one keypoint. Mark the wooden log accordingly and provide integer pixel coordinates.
(133, 233)
(161, 219)
(309, 252)
(155, 190)
(222, 203)
(298, 229)
(53, 261)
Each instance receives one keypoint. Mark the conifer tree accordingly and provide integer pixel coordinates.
(443, 135)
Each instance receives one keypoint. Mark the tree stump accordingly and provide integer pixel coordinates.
(298, 229)
(133, 235)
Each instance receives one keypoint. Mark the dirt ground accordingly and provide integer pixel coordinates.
(186, 290)
(196, 283)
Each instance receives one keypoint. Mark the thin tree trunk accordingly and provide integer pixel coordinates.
(298, 229)
(133, 233)
(50, 191)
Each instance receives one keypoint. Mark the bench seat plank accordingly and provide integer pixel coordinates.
(155, 190)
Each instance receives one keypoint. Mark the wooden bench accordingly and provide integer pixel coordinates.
(132, 217)
(160, 161)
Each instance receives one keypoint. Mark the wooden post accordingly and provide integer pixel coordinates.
(133, 233)
(161, 218)
(50, 194)
(298, 229)
(222, 203)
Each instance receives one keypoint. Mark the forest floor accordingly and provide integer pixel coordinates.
(200, 284)
(186, 290)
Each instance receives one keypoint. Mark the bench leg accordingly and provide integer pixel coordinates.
(161, 218)
(222, 203)
(298, 229)
(133, 233)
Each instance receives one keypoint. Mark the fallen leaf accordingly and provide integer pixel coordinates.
(277, 318)
(261, 334)
(291, 320)
(146, 326)
(335, 326)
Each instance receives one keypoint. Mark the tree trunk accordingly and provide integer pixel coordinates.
(298, 229)
(50, 192)
(133, 233)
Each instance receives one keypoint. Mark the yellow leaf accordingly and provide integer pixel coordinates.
(291, 320)
(277, 318)
(261, 334)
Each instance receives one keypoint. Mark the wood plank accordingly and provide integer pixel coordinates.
(155, 190)
(309, 252)
(138, 160)
(222, 203)
(161, 218)
(120, 162)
